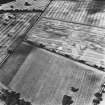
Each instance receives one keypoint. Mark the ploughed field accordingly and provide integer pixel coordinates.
(44, 78)
(14, 29)
(88, 12)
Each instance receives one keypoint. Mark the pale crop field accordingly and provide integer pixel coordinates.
(44, 78)
(20, 4)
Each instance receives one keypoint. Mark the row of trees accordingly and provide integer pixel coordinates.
(6, 1)
(20, 10)
(12, 98)
(69, 56)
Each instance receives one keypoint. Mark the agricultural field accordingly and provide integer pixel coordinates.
(86, 12)
(14, 29)
(57, 53)
(77, 41)
(44, 78)
(26, 4)
(9, 69)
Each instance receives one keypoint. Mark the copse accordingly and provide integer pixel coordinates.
(12, 98)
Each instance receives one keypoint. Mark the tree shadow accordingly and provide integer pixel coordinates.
(95, 6)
